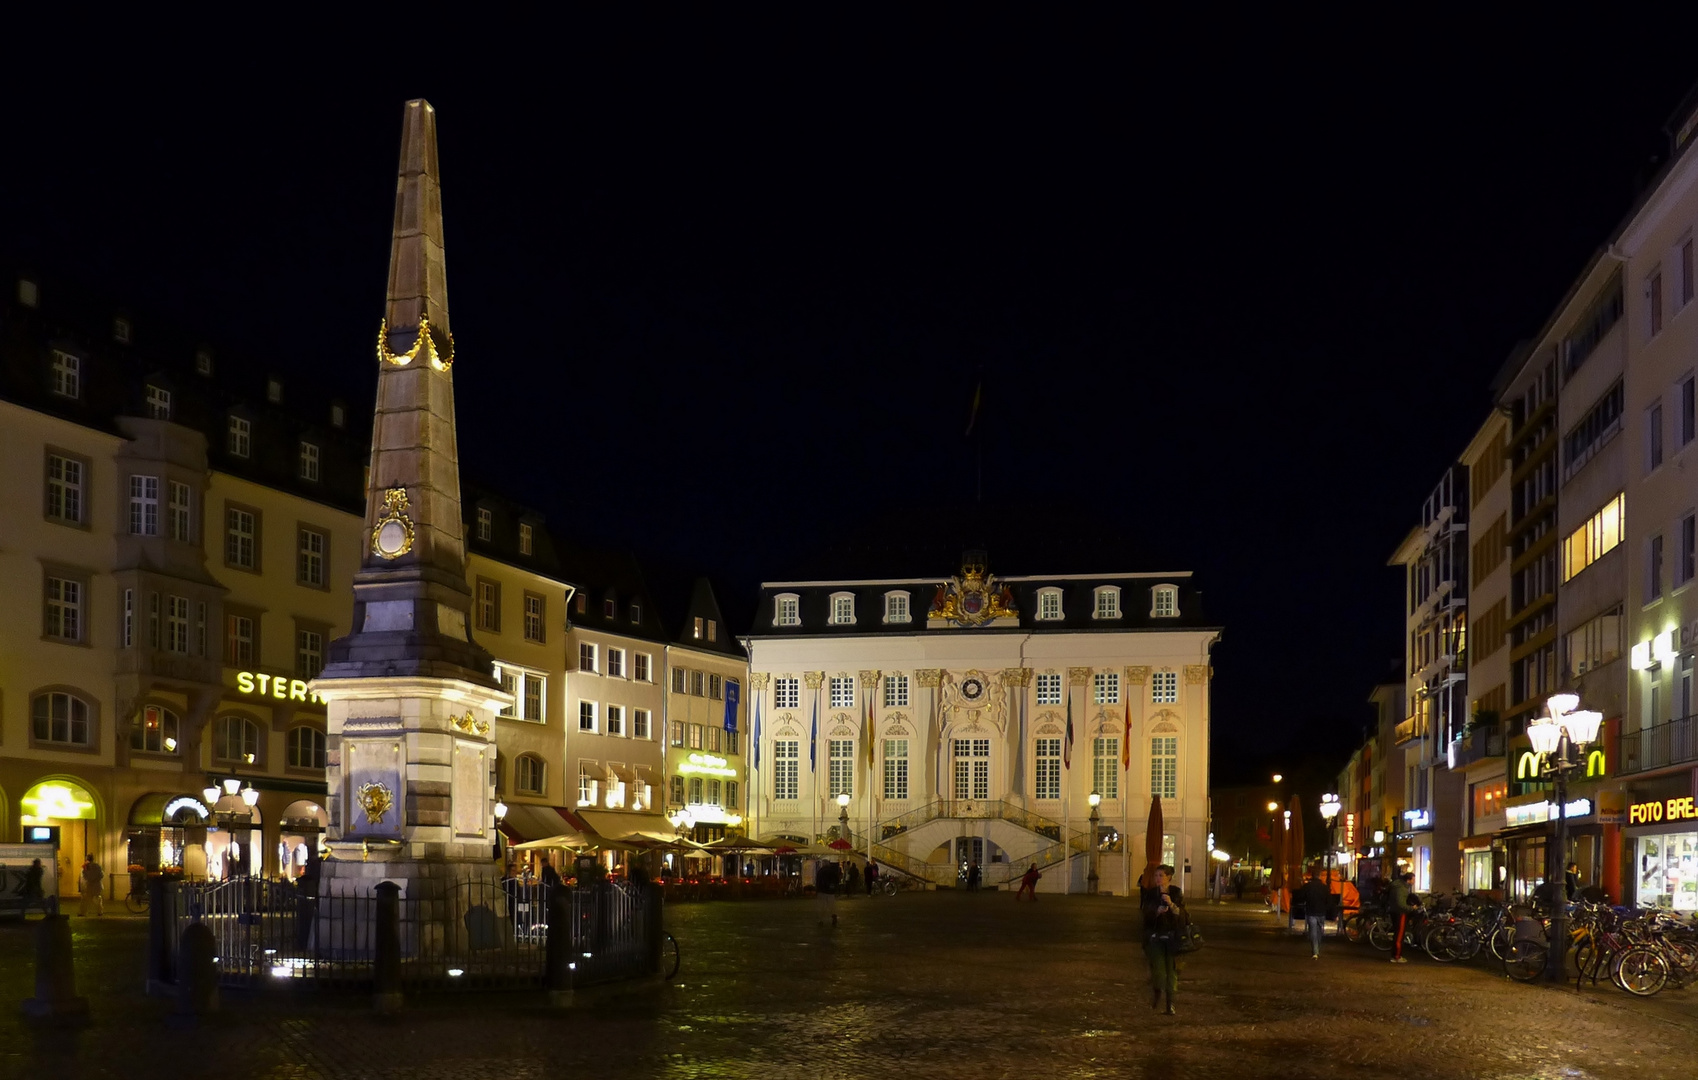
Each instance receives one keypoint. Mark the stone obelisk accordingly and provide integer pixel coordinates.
(412, 699)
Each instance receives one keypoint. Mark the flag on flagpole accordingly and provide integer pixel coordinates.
(757, 726)
(1067, 746)
(1126, 740)
(814, 736)
(867, 728)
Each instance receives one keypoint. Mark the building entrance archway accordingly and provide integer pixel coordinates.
(70, 807)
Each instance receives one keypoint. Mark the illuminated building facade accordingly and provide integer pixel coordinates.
(968, 718)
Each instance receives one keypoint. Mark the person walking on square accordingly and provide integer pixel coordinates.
(88, 884)
(973, 876)
(1402, 906)
(826, 879)
(1316, 898)
(1163, 908)
(872, 876)
(1238, 885)
(30, 888)
(851, 880)
(1029, 883)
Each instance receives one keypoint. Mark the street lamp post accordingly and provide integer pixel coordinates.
(1330, 806)
(1091, 879)
(1556, 738)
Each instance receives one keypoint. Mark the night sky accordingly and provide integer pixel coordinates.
(726, 302)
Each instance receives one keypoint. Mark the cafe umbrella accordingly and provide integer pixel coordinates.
(1152, 843)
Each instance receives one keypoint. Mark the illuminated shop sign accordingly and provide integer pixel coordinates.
(1681, 808)
(259, 684)
(1528, 767)
(1418, 819)
(1533, 813)
(706, 765)
(183, 802)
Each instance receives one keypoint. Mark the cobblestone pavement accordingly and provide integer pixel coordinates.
(934, 985)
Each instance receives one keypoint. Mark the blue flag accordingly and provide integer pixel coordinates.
(814, 735)
(757, 732)
(732, 690)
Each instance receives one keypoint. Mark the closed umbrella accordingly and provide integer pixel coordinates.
(1152, 843)
(1276, 880)
(1294, 876)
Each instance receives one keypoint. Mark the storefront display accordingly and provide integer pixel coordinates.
(1667, 871)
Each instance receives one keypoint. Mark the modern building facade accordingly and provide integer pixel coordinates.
(946, 721)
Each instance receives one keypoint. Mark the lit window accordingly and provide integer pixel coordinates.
(1164, 686)
(842, 692)
(587, 784)
(67, 374)
(1108, 602)
(1105, 688)
(1049, 688)
(712, 630)
(240, 442)
(528, 688)
(1105, 766)
(895, 691)
(786, 611)
(156, 733)
(786, 692)
(1049, 604)
(1596, 538)
(697, 631)
(896, 607)
(158, 403)
(1164, 766)
(525, 538)
(842, 609)
(309, 462)
(1165, 602)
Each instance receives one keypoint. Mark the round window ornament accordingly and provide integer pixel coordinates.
(392, 536)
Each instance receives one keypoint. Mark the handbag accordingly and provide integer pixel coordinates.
(1188, 938)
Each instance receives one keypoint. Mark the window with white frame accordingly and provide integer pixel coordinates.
(616, 663)
(527, 538)
(843, 691)
(129, 626)
(842, 609)
(588, 784)
(65, 489)
(677, 791)
(309, 653)
(241, 538)
(1108, 602)
(1164, 766)
(896, 768)
(693, 734)
(715, 687)
(1047, 773)
(240, 437)
(731, 794)
(1105, 766)
(586, 716)
(235, 739)
(614, 718)
(533, 617)
(1049, 603)
(896, 607)
(529, 688)
(787, 610)
(1105, 688)
(309, 462)
(785, 768)
(680, 681)
(640, 726)
(239, 640)
(64, 603)
(677, 733)
(698, 683)
(529, 774)
(59, 717)
(1164, 602)
(895, 691)
(715, 735)
(489, 605)
(642, 667)
(309, 557)
(841, 753)
(158, 403)
(486, 524)
(144, 505)
(178, 511)
(695, 796)
(636, 614)
(1164, 686)
(615, 787)
(787, 692)
(67, 374)
(586, 656)
(1049, 688)
(177, 624)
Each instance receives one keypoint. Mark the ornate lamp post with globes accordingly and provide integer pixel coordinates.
(1560, 739)
(1091, 879)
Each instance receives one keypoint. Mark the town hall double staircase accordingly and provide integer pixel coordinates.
(905, 842)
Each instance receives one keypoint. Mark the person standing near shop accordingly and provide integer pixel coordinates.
(826, 879)
(1571, 882)
(1403, 905)
(1163, 908)
(1316, 897)
(89, 885)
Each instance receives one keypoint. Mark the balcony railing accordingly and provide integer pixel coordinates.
(1673, 743)
(1412, 728)
(1477, 745)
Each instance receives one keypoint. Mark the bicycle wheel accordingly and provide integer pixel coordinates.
(1381, 934)
(1526, 961)
(1501, 940)
(1355, 928)
(1641, 971)
(136, 902)
(669, 951)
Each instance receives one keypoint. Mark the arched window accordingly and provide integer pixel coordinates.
(157, 731)
(306, 747)
(529, 774)
(61, 717)
(1164, 602)
(235, 738)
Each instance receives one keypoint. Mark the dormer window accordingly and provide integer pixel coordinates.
(67, 374)
(696, 628)
(486, 524)
(274, 391)
(787, 610)
(842, 609)
(203, 362)
(527, 538)
(158, 403)
(240, 437)
(636, 614)
(896, 607)
(1108, 602)
(309, 462)
(608, 607)
(1164, 602)
(28, 295)
(1049, 603)
(338, 415)
(121, 331)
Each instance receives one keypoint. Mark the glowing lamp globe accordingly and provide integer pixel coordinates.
(210, 794)
(1330, 806)
(1561, 705)
(843, 799)
(1544, 733)
(1094, 799)
(1583, 725)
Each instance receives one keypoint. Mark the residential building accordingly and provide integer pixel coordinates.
(706, 720)
(969, 718)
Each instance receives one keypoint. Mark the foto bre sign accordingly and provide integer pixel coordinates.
(1679, 808)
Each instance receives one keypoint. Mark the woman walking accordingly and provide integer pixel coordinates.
(1163, 907)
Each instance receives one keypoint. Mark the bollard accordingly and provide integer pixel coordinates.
(159, 973)
(559, 955)
(197, 971)
(387, 941)
(654, 926)
(55, 977)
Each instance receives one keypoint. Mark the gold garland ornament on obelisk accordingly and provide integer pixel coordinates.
(440, 358)
(392, 536)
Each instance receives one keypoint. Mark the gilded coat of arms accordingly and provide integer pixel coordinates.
(974, 598)
(376, 800)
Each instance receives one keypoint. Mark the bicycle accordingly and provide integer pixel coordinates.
(137, 899)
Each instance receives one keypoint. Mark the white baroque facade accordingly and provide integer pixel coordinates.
(971, 718)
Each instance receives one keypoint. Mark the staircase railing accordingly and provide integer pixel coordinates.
(1065, 843)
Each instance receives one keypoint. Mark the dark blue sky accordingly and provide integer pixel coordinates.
(723, 295)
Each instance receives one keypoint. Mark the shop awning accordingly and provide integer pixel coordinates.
(151, 809)
(527, 821)
(617, 825)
